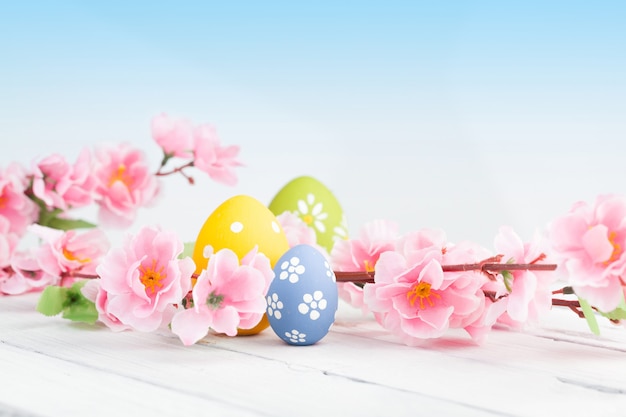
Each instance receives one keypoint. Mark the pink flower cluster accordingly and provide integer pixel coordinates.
(115, 178)
(227, 295)
(179, 138)
(60, 260)
(141, 282)
(590, 243)
(144, 283)
(415, 297)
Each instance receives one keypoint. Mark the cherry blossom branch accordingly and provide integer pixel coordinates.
(486, 267)
(573, 305)
(176, 170)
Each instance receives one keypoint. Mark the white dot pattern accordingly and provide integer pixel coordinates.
(312, 304)
(236, 227)
(274, 306)
(295, 336)
(292, 270)
(207, 251)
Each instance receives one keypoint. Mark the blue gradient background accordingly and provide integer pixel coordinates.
(461, 115)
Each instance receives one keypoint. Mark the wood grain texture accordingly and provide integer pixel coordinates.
(51, 367)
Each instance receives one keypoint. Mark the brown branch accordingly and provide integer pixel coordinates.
(368, 277)
(179, 169)
(573, 305)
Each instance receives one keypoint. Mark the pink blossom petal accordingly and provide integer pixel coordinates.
(567, 232)
(418, 328)
(606, 298)
(438, 318)
(432, 273)
(508, 243)
(611, 211)
(191, 326)
(523, 292)
(596, 243)
(226, 320)
(390, 265)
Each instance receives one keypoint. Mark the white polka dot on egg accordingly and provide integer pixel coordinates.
(207, 251)
(275, 227)
(236, 227)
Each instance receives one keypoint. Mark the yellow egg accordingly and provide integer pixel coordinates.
(239, 224)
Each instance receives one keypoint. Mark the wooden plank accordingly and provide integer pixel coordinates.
(358, 369)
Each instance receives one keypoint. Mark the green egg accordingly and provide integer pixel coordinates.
(316, 205)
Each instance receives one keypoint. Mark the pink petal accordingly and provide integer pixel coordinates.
(432, 273)
(566, 232)
(596, 243)
(523, 292)
(390, 265)
(508, 243)
(605, 298)
(437, 317)
(417, 328)
(226, 320)
(611, 211)
(191, 326)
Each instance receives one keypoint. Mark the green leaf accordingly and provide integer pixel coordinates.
(618, 314)
(187, 250)
(46, 216)
(589, 316)
(82, 311)
(68, 224)
(52, 300)
(166, 158)
(70, 301)
(508, 280)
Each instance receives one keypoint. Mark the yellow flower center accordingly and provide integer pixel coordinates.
(121, 175)
(369, 267)
(422, 292)
(617, 248)
(308, 219)
(151, 277)
(69, 255)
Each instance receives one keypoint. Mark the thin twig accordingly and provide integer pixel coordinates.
(368, 277)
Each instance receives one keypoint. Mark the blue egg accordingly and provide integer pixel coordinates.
(302, 298)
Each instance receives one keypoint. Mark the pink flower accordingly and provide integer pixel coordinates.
(489, 315)
(209, 156)
(362, 254)
(8, 243)
(18, 209)
(65, 253)
(61, 185)
(297, 231)
(412, 296)
(143, 280)
(472, 281)
(226, 296)
(124, 183)
(530, 295)
(418, 244)
(173, 136)
(92, 291)
(590, 243)
(24, 275)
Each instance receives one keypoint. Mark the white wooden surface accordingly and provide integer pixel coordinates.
(51, 367)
